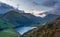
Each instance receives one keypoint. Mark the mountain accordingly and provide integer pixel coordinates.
(7, 29)
(50, 29)
(1, 15)
(5, 25)
(17, 18)
(48, 18)
(5, 8)
(26, 19)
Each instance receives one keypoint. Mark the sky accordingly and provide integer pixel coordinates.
(27, 4)
(51, 6)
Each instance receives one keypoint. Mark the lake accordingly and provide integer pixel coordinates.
(48, 18)
(22, 30)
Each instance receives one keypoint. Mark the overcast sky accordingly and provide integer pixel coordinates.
(28, 4)
(39, 5)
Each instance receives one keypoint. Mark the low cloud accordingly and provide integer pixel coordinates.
(49, 3)
(55, 4)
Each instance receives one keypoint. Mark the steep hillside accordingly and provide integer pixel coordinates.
(7, 29)
(17, 18)
(5, 25)
(50, 29)
(1, 15)
(26, 19)
(5, 8)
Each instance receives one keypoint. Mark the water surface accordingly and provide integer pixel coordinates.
(22, 30)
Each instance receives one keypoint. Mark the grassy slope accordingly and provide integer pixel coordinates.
(9, 33)
(6, 29)
(4, 25)
(51, 29)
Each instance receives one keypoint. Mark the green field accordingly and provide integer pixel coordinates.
(9, 33)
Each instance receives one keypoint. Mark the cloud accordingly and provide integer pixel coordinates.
(55, 4)
(49, 3)
(35, 3)
(56, 10)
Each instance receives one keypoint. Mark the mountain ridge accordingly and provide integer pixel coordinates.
(50, 29)
(18, 18)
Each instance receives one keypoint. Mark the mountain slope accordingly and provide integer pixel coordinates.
(50, 29)
(5, 8)
(17, 18)
(26, 19)
(7, 29)
(5, 25)
(48, 18)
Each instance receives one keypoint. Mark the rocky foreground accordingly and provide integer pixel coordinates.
(50, 29)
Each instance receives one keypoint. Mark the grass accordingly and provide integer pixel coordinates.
(5, 25)
(6, 29)
(9, 33)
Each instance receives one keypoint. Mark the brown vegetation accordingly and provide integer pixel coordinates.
(51, 29)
